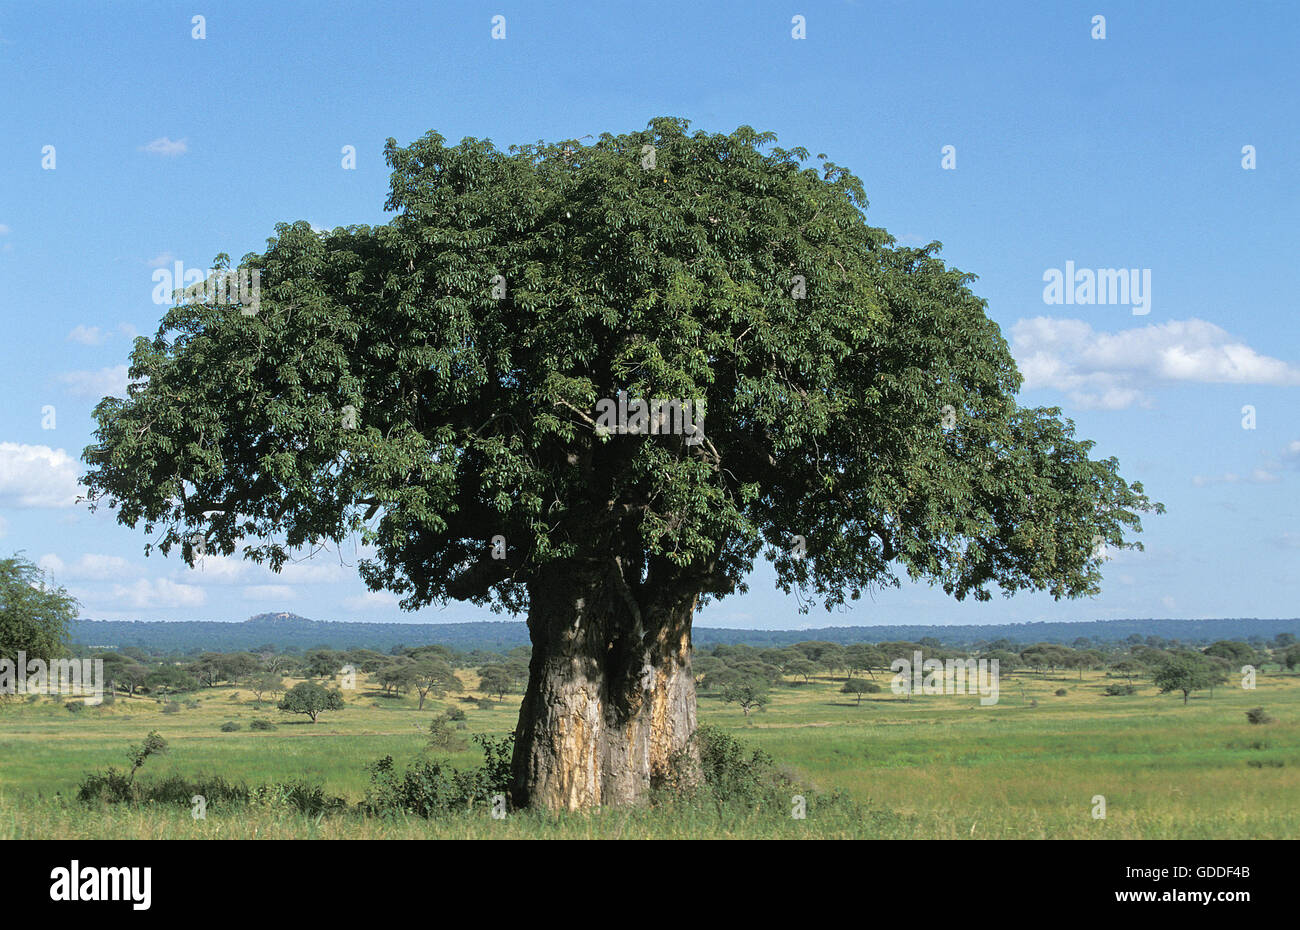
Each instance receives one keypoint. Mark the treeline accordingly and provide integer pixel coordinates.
(744, 674)
(738, 672)
(290, 632)
(424, 670)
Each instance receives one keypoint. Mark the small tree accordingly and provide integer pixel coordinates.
(801, 668)
(398, 675)
(153, 745)
(311, 699)
(34, 615)
(442, 734)
(264, 682)
(859, 687)
(747, 692)
(1186, 672)
(432, 675)
(495, 679)
(322, 663)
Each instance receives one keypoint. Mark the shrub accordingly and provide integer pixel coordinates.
(300, 796)
(1061, 692)
(229, 726)
(455, 713)
(75, 707)
(260, 724)
(739, 780)
(1258, 715)
(432, 788)
(171, 707)
(442, 734)
(731, 772)
(109, 786)
(1119, 690)
(114, 786)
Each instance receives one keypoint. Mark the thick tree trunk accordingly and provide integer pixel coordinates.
(609, 711)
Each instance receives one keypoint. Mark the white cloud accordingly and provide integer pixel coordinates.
(36, 476)
(312, 572)
(216, 569)
(158, 593)
(372, 600)
(269, 592)
(166, 147)
(162, 260)
(107, 382)
(87, 335)
(92, 566)
(1256, 476)
(1268, 473)
(1113, 371)
(223, 569)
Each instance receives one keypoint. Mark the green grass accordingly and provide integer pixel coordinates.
(932, 767)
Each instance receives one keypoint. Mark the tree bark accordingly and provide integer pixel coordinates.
(609, 712)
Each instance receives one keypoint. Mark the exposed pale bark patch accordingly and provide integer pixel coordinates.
(610, 708)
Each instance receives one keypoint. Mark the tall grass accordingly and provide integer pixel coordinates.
(934, 766)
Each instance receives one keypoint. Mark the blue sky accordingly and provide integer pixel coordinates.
(1122, 152)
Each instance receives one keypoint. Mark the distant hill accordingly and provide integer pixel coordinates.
(281, 617)
(287, 631)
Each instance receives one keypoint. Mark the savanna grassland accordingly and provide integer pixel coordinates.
(939, 767)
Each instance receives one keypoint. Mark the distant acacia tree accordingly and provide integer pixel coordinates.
(864, 657)
(859, 687)
(801, 668)
(433, 385)
(495, 679)
(122, 672)
(322, 663)
(307, 697)
(1187, 672)
(431, 674)
(169, 679)
(1128, 667)
(749, 693)
(397, 675)
(264, 682)
(1236, 653)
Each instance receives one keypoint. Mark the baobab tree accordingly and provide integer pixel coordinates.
(440, 387)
